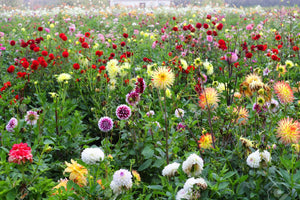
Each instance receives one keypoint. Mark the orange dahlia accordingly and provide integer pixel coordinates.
(242, 117)
(288, 131)
(61, 183)
(284, 92)
(205, 141)
(209, 97)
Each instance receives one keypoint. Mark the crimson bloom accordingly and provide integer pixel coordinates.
(11, 69)
(20, 153)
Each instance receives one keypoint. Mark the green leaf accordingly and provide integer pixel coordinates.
(223, 185)
(145, 165)
(148, 152)
(155, 187)
(158, 163)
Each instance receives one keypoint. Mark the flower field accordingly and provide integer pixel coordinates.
(173, 103)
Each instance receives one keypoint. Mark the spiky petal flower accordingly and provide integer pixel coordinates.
(193, 165)
(208, 98)
(163, 78)
(205, 141)
(133, 98)
(61, 183)
(105, 124)
(13, 122)
(284, 92)
(170, 169)
(31, 117)
(254, 159)
(288, 131)
(123, 112)
(77, 172)
(20, 153)
(242, 115)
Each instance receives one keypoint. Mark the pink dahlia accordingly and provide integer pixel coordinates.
(105, 124)
(31, 117)
(20, 153)
(13, 122)
(140, 86)
(123, 112)
(133, 98)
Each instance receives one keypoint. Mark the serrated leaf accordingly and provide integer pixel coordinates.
(145, 165)
(148, 152)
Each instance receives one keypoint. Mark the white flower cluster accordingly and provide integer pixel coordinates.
(122, 179)
(171, 169)
(209, 67)
(193, 165)
(256, 157)
(92, 155)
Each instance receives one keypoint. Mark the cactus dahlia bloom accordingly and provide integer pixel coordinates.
(288, 131)
(205, 141)
(208, 98)
(284, 92)
(61, 183)
(163, 78)
(77, 172)
(242, 117)
(20, 153)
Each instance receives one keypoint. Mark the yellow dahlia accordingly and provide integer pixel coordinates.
(288, 131)
(242, 117)
(205, 141)
(77, 172)
(209, 97)
(61, 183)
(284, 92)
(251, 78)
(163, 78)
(281, 69)
(246, 142)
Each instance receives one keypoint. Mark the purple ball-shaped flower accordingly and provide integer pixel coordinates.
(13, 122)
(105, 124)
(133, 98)
(123, 112)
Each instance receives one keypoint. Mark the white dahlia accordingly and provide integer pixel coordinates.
(92, 155)
(266, 156)
(122, 179)
(254, 159)
(171, 169)
(193, 165)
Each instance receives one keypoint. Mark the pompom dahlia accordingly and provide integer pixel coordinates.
(105, 124)
(13, 122)
(170, 169)
(122, 179)
(288, 131)
(254, 159)
(284, 92)
(20, 153)
(92, 155)
(123, 112)
(208, 98)
(193, 165)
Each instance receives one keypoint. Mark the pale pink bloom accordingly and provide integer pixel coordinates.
(209, 38)
(249, 27)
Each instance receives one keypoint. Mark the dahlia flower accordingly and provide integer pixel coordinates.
(105, 124)
(13, 123)
(288, 131)
(179, 112)
(77, 172)
(170, 169)
(193, 165)
(163, 78)
(61, 183)
(205, 141)
(140, 86)
(31, 117)
(208, 98)
(133, 98)
(284, 92)
(63, 77)
(254, 159)
(92, 155)
(123, 112)
(122, 179)
(20, 153)
(189, 184)
(266, 156)
(242, 117)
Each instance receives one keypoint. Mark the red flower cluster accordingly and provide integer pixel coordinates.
(20, 153)
(5, 85)
(222, 45)
(63, 37)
